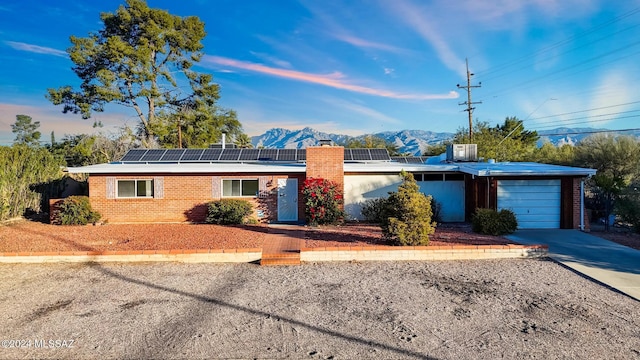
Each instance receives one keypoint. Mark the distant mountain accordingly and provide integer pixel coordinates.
(408, 141)
(279, 138)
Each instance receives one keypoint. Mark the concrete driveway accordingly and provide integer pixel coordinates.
(607, 262)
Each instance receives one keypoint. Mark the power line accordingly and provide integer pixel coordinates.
(586, 122)
(568, 68)
(595, 132)
(613, 116)
(533, 55)
(592, 109)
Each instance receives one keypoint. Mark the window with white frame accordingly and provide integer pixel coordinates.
(239, 187)
(135, 188)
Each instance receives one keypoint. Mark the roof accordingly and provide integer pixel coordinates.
(521, 169)
(477, 169)
(189, 168)
(212, 155)
(292, 161)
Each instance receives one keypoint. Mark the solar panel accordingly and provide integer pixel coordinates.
(172, 155)
(153, 155)
(230, 154)
(211, 155)
(409, 159)
(379, 154)
(249, 154)
(133, 155)
(268, 154)
(361, 154)
(348, 156)
(302, 155)
(287, 155)
(192, 155)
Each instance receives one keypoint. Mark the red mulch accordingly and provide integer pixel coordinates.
(32, 236)
(367, 234)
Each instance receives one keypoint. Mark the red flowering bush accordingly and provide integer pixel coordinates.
(323, 201)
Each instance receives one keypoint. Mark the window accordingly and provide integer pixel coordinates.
(454, 177)
(135, 188)
(248, 187)
(433, 177)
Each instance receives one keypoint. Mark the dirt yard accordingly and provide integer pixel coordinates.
(489, 309)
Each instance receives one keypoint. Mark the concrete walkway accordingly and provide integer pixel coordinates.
(607, 262)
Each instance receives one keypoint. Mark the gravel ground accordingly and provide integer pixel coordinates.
(515, 309)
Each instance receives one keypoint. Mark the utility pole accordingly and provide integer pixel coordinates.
(468, 103)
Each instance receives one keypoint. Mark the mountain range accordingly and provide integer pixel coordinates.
(412, 142)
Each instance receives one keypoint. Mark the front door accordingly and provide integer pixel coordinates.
(287, 199)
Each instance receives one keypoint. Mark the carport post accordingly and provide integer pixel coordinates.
(581, 205)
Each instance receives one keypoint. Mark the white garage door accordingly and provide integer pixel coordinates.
(536, 203)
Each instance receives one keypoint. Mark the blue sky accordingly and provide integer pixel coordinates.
(357, 67)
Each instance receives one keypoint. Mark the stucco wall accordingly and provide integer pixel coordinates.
(360, 188)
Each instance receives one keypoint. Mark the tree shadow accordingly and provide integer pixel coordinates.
(245, 309)
(197, 214)
(263, 314)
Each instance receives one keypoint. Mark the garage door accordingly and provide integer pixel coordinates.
(536, 203)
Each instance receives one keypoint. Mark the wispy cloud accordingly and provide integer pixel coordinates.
(421, 24)
(366, 44)
(335, 80)
(36, 48)
(508, 13)
(272, 59)
(369, 113)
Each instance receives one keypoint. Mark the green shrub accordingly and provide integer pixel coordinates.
(228, 211)
(75, 210)
(323, 201)
(373, 210)
(492, 222)
(25, 175)
(407, 215)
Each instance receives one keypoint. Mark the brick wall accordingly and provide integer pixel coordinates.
(326, 162)
(183, 198)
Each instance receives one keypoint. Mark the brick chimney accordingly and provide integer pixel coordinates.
(326, 162)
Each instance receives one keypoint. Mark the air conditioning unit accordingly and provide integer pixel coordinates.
(462, 152)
